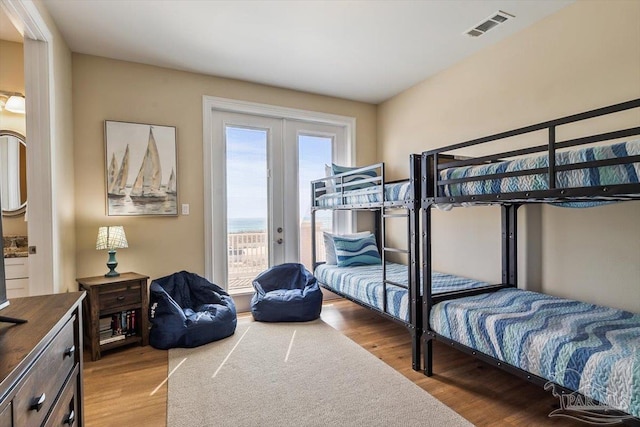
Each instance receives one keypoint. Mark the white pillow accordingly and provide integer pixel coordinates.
(330, 247)
(328, 171)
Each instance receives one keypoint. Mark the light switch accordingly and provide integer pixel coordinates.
(185, 209)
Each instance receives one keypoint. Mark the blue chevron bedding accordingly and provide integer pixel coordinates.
(591, 349)
(392, 193)
(605, 175)
(364, 283)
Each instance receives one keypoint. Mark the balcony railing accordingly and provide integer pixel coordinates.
(248, 256)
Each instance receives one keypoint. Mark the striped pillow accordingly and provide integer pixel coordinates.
(330, 248)
(352, 178)
(352, 252)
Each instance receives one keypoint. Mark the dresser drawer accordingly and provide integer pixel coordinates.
(5, 416)
(17, 288)
(16, 268)
(65, 412)
(40, 389)
(120, 295)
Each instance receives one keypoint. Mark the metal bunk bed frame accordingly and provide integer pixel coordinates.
(383, 210)
(433, 161)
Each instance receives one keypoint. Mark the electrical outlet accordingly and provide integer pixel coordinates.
(185, 209)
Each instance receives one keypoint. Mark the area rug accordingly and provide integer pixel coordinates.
(294, 374)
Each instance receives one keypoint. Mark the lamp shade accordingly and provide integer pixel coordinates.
(15, 104)
(111, 237)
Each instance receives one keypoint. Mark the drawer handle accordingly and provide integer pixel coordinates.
(120, 298)
(69, 351)
(38, 402)
(71, 418)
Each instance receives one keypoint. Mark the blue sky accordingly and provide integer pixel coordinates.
(247, 174)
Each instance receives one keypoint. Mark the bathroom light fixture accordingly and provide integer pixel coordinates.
(12, 101)
(111, 238)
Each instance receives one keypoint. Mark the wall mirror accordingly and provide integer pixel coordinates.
(13, 172)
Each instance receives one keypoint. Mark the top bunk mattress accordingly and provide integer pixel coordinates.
(393, 192)
(584, 347)
(364, 283)
(575, 178)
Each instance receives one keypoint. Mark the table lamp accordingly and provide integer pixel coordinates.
(111, 238)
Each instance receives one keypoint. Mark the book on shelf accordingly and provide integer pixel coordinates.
(117, 326)
(111, 339)
(105, 323)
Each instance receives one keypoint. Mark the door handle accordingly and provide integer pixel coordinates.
(279, 241)
(279, 229)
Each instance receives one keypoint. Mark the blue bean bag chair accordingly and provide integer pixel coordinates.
(187, 310)
(286, 293)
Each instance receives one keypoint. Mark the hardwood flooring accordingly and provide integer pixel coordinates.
(119, 388)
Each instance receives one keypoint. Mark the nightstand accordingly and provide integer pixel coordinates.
(116, 311)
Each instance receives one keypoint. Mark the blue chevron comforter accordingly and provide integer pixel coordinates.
(591, 349)
(606, 175)
(395, 192)
(364, 283)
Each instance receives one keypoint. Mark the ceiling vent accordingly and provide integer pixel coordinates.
(493, 21)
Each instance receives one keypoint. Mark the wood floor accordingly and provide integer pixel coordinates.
(126, 386)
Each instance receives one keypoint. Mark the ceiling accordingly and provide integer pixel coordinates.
(361, 50)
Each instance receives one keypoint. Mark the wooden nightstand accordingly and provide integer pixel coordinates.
(119, 304)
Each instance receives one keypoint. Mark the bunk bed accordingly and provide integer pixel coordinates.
(575, 348)
(388, 288)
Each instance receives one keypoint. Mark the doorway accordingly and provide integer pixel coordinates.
(260, 172)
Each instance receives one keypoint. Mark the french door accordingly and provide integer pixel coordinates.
(262, 170)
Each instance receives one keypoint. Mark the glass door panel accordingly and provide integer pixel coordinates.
(314, 152)
(247, 168)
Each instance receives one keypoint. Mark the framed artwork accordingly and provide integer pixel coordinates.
(141, 166)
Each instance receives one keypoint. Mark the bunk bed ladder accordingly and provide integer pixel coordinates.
(387, 249)
(410, 212)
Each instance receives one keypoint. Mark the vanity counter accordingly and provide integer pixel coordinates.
(15, 246)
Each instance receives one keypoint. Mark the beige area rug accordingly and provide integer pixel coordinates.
(294, 374)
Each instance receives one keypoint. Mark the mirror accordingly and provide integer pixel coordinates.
(13, 173)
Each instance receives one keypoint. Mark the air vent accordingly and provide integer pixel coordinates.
(493, 21)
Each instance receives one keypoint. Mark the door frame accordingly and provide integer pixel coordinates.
(211, 105)
(44, 265)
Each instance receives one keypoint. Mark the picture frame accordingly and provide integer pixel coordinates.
(140, 169)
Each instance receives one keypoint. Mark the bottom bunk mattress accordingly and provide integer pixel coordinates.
(364, 284)
(584, 347)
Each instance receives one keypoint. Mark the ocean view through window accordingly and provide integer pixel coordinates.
(268, 197)
(247, 194)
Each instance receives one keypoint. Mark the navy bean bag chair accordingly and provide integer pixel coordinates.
(187, 310)
(286, 293)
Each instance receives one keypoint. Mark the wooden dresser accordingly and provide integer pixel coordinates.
(41, 362)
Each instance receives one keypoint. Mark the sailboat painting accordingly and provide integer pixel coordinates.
(141, 169)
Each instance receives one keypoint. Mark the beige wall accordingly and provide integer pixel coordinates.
(583, 57)
(105, 89)
(12, 80)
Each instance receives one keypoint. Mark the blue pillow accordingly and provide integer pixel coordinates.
(352, 252)
(330, 248)
(363, 175)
